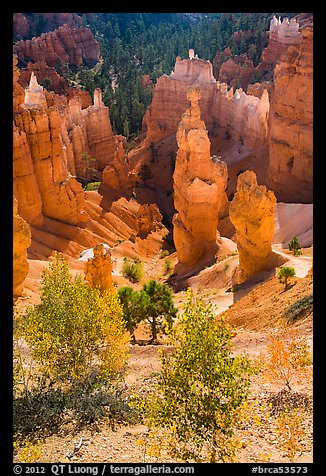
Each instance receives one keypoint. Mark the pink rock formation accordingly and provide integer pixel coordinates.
(237, 71)
(291, 123)
(25, 182)
(170, 97)
(20, 25)
(23, 24)
(61, 195)
(90, 132)
(257, 89)
(51, 139)
(282, 35)
(239, 115)
(146, 81)
(18, 91)
(147, 219)
(54, 20)
(85, 97)
(117, 176)
(244, 116)
(252, 214)
(65, 44)
(98, 270)
(199, 188)
(43, 72)
(21, 241)
(42, 182)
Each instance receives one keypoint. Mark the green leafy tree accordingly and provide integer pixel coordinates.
(75, 330)
(285, 274)
(295, 246)
(160, 311)
(134, 304)
(200, 388)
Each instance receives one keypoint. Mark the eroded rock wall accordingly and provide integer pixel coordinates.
(227, 114)
(147, 219)
(64, 45)
(291, 124)
(282, 34)
(21, 241)
(55, 82)
(117, 177)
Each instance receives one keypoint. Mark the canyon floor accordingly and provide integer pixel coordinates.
(254, 309)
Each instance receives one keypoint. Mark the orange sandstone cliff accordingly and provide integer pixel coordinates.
(21, 241)
(42, 71)
(291, 123)
(24, 24)
(237, 126)
(64, 45)
(282, 34)
(148, 219)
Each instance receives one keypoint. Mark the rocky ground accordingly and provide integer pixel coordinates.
(254, 310)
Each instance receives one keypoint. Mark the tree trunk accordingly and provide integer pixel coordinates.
(154, 330)
(213, 450)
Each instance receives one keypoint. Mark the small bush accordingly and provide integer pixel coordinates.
(160, 311)
(287, 358)
(89, 187)
(300, 308)
(83, 403)
(134, 305)
(132, 270)
(285, 274)
(164, 253)
(291, 432)
(295, 246)
(167, 265)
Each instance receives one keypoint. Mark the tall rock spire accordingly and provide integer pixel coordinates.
(199, 188)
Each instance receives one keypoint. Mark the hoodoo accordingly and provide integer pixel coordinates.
(98, 270)
(252, 214)
(199, 188)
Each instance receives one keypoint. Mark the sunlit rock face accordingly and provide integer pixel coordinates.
(282, 34)
(227, 113)
(148, 219)
(43, 184)
(199, 187)
(54, 82)
(98, 269)
(252, 214)
(291, 124)
(53, 140)
(21, 241)
(64, 45)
